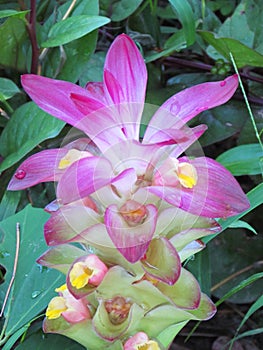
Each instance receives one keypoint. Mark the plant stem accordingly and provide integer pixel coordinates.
(31, 28)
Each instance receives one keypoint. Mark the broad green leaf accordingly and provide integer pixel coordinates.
(73, 28)
(33, 285)
(236, 256)
(199, 264)
(28, 126)
(236, 27)
(186, 17)
(223, 122)
(122, 9)
(78, 53)
(13, 339)
(13, 35)
(84, 7)
(7, 89)
(9, 13)
(175, 43)
(243, 160)
(94, 69)
(9, 204)
(247, 134)
(243, 55)
(40, 341)
(254, 15)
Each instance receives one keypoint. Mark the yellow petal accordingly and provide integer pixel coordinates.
(150, 345)
(72, 156)
(187, 175)
(61, 288)
(55, 308)
(79, 275)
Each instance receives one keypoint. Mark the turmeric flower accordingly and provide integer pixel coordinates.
(124, 177)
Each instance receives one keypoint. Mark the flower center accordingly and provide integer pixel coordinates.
(118, 309)
(133, 212)
(79, 275)
(55, 308)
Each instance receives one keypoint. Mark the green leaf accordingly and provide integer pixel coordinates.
(33, 285)
(124, 8)
(255, 197)
(186, 17)
(243, 55)
(7, 89)
(9, 13)
(242, 224)
(250, 333)
(28, 126)
(240, 286)
(73, 28)
(78, 53)
(175, 43)
(243, 160)
(12, 340)
(199, 264)
(253, 308)
(40, 341)
(13, 35)
(9, 204)
(223, 122)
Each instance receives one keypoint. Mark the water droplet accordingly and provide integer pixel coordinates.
(42, 268)
(20, 174)
(223, 83)
(4, 254)
(35, 294)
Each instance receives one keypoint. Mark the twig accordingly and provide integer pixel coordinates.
(237, 273)
(14, 269)
(31, 28)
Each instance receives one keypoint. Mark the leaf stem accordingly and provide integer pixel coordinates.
(31, 28)
(45, 50)
(247, 103)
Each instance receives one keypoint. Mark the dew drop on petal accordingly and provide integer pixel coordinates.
(20, 174)
(223, 83)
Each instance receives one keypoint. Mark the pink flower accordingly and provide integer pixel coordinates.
(141, 341)
(66, 306)
(127, 178)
